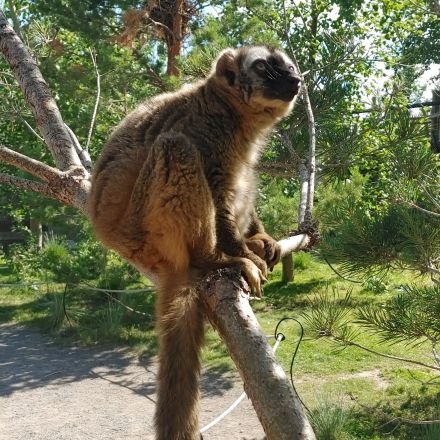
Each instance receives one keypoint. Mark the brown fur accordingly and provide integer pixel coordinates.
(173, 193)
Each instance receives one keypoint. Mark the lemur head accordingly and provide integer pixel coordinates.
(259, 76)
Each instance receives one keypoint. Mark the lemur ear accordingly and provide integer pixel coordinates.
(226, 66)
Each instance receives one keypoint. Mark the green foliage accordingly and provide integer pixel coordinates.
(412, 316)
(364, 243)
(56, 258)
(302, 260)
(24, 261)
(328, 314)
(432, 432)
(117, 274)
(374, 284)
(330, 419)
(110, 321)
(56, 310)
(276, 207)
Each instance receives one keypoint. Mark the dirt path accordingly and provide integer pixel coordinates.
(49, 392)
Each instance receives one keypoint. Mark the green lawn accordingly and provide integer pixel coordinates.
(363, 390)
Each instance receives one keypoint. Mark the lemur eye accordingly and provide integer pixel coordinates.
(260, 65)
(291, 68)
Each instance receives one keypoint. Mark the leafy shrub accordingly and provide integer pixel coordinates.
(57, 259)
(375, 284)
(118, 274)
(90, 260)
(302, 260)
(24, 261)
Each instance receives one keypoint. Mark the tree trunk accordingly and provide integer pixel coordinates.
(435, 121)
(287, 264)
(174, 42)
(37, 231)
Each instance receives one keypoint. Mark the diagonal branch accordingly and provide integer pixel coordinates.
(83, 153)
(38, 97)
(98, 97)
(32, 166)
(29, 185)
(225, 300)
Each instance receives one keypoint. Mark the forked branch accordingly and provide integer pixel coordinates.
(38, 97)
(31, 166)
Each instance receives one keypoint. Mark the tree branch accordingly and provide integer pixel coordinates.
(70, 183)
(32, 166)
(419, 208)
(225, 299)
(38, 97)
(83, 153)
(294, 244)
(98, 96)
(29, 185)
(389, 356)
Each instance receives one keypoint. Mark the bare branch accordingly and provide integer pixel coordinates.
(38, 97)
(32, 166)
(277, 169)
(389, 356)
(419, 208)
(29, 185)
(98, 97)
(83, 154)
(294, 244)
(29, 127)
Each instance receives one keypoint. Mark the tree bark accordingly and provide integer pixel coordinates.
(37, 231)
(174, 42)
(279, 410)
(38, 97)
(69, 182)
(287, 265)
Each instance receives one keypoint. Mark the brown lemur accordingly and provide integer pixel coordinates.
(173, 192)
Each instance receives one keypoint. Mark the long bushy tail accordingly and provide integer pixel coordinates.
(181, 331)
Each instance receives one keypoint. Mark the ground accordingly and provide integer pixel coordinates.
(48, 392)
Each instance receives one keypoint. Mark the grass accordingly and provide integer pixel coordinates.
(352, 393)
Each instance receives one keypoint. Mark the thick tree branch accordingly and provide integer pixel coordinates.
(29, 185)
(32, 166)
(38, 97)
(225, 299)
(294, 244)
(70, 183)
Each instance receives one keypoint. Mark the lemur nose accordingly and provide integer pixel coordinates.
(295, 80)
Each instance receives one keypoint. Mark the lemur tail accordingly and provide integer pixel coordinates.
(181, 333)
